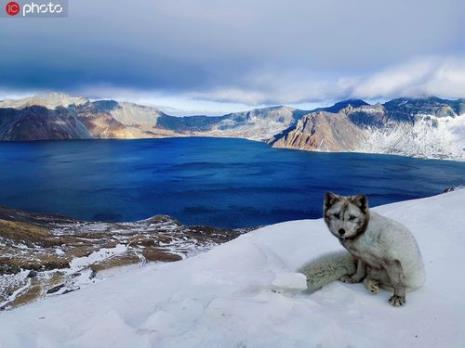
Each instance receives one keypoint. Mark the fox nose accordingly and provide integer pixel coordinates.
(342, 231)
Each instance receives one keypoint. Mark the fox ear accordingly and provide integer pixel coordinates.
(330, 199)
(360, 201)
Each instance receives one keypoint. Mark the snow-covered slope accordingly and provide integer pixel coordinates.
(257, 124)
(423, 127)
(244, 294)
(429, 136)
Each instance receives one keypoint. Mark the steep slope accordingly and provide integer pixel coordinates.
(59, 117)
(245, 294)
(40, 123)
(321, 131)
(104, 119)
(429, 127)
(109, 119)
(257, 124)
(407, 108)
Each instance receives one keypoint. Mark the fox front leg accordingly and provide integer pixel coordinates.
(359, 274)
(396, 276)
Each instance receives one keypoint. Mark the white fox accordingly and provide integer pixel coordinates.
(382, 252)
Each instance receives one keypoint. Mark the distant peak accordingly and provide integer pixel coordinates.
(274, 107)
(355, 103)
(419, 100)
(49, 100)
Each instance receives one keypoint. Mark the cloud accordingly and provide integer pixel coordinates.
(423, 77)
(243, 52)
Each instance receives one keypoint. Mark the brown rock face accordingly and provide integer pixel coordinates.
(157, 254)
(321, 131)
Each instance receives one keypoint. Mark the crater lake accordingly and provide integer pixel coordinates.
(209, 181)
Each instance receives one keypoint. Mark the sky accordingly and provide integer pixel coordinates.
(215, 56)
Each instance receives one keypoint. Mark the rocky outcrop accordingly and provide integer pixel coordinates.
(43, 255)
(321, 131)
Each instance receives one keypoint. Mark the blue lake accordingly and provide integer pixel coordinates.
(220, 182)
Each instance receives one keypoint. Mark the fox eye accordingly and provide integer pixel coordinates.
(352, 217)
(337, 216)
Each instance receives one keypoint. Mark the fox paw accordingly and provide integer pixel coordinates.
(397, 300)
(347, 279)
(372, 286)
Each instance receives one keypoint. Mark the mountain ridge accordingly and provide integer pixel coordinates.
(420, 127)
(429, 127)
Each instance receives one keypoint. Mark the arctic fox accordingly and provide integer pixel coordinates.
(382, 252)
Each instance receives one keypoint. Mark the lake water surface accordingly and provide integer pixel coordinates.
(220, 182)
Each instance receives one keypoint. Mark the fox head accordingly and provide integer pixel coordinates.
(347, 217)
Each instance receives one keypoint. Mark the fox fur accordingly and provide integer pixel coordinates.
(380, 252)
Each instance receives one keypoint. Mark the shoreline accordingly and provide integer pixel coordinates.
(264, 141)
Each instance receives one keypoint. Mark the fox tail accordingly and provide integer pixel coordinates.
(327, 268)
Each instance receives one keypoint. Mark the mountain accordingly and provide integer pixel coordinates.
(50, 101)
(343, 104)
(421, 127)
(258, 124)
(40, 123)
(56, 117)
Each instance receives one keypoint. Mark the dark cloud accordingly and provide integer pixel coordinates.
(226, 49)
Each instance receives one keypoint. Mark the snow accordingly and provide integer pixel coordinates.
(256, 125)
(429, 137)
(245, 293)
(101, 254)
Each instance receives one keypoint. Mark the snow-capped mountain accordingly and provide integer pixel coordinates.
(422, 127)
(427, 127)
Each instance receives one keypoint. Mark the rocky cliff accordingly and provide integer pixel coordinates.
(426, 127)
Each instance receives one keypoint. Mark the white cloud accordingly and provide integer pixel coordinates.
(426, 76)
(443, 77)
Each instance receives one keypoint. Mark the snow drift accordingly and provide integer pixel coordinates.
(245, 294)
